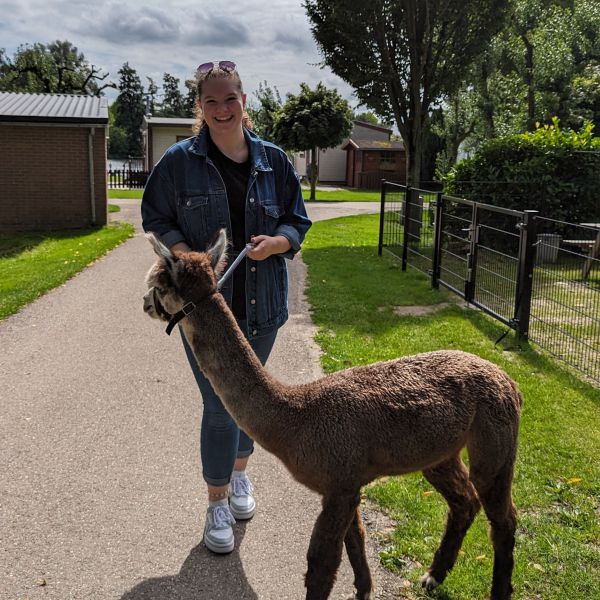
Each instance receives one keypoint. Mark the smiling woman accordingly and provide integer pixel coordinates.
(228, 178)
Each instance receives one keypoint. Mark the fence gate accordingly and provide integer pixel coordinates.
(480, 253)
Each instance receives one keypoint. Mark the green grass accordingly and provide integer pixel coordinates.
(113, 208)
(33, 263)
(346, 195)
(557, 480)
(135, 194)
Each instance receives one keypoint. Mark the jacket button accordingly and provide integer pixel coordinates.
(189, 203)
(253, 269)
(253, 301)
(254, 332)
(251, 200)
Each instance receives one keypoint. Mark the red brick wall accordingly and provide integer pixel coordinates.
(44, 177)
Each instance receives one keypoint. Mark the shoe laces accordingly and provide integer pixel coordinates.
(222, 517)
(241, 486)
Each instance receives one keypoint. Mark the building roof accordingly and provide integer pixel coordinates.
(53, 108)
(166, 122)
(366, 125)
(393, 146)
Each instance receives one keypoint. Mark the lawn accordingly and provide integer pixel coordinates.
(557, 480)
(344, 195)
(33, 263)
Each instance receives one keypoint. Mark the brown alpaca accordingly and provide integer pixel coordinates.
(342, 431)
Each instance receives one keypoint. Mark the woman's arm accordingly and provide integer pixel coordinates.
(159, 208)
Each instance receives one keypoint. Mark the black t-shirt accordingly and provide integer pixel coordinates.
(235, 177)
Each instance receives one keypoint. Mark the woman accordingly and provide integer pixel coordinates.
(226, 176)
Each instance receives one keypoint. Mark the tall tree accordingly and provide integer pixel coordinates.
(173, 103)
(265, 114)
(57, 67)
(400, 56)
(190, 98)
(151, 93)
(313, 119)
(130, 108)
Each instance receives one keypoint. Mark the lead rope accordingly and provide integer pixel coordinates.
(233, 265)
(190, 306)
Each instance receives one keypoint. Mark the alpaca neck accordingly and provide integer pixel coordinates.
(248, 392)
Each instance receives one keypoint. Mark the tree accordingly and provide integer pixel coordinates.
(190, 99)
(265, 114)
(173, 104)
(151, 93)
(400, 56)
(57, 67)
(318, 118)
(129, 109)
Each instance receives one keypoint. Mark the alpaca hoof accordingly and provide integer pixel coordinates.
(429, 582)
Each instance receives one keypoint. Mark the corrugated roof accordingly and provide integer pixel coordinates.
(168, 121)
(53, 108)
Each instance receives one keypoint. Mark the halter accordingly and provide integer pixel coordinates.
(190, 307)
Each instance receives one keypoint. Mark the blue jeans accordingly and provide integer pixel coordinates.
(221, 440)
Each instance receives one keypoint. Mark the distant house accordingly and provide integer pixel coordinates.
(368, 162)
(361, 160)
(52, 161)
(159, 133)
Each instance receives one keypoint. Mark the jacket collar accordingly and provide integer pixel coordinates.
(258, 156)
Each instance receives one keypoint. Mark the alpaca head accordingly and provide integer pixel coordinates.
(174, 280)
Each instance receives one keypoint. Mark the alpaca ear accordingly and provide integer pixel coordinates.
(218, 252)
(161, 250)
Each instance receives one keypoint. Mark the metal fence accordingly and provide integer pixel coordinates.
(127, 178)
(539, 276)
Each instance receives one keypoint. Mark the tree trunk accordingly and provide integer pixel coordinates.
(313, 174)
(529, 83)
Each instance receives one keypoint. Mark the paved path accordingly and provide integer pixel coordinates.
(100, 489)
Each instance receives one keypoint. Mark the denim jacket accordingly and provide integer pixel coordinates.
(185, 201)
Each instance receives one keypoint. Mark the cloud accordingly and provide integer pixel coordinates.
(216, 30)
(285, 40)
(125, 25)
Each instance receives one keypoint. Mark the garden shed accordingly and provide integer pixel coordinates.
(160, 133)
(368, 162)
(52, 161)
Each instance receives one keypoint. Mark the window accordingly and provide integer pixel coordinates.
(387, 161)
(180, 138)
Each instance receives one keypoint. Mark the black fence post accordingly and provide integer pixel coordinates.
(437, 242)
(472, 255)
(407, 193)
(527, 250)
(381, 219)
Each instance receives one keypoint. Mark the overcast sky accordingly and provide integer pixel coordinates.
(268, 40)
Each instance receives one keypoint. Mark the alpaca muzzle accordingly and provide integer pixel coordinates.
(152, 303)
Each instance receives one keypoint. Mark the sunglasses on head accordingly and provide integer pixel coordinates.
(224, 65)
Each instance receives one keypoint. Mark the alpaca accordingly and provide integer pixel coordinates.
(344, 430)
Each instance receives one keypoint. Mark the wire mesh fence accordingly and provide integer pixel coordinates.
(537, 275)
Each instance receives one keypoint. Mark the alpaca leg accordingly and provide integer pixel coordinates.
(451, 479)
(497, 503)
(355, 547)
(326, 543)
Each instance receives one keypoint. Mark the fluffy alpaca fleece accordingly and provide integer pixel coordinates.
(342, 431)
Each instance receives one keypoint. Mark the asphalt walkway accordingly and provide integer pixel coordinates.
(101, 495)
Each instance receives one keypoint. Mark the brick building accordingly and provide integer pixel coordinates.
(52, 161)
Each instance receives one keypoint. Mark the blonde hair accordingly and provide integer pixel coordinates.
(216, 73)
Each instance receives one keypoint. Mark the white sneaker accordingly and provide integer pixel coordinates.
(241, 501)
(218, 534)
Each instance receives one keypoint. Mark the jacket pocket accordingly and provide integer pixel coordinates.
(195, 211)
(270, 217)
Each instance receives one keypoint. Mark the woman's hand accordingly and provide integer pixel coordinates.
(266, 245)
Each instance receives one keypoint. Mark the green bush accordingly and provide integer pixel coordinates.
(554, 171)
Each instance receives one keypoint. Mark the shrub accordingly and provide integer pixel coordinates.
(552, 170)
